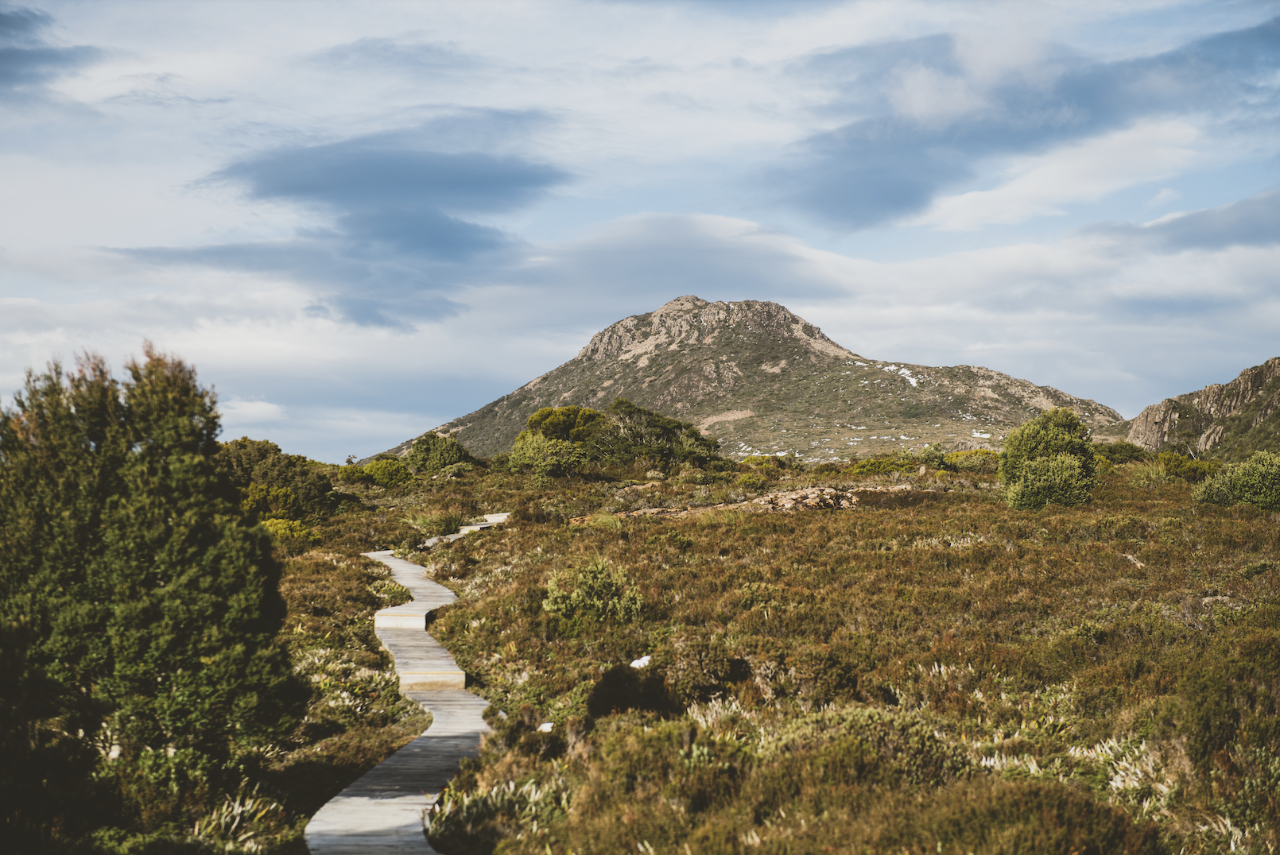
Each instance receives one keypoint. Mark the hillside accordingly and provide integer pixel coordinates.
(764, 380)
(1228, 421)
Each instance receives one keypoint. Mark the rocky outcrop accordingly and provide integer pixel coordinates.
(1201, 419)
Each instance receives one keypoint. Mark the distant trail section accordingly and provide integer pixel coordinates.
(382, 811)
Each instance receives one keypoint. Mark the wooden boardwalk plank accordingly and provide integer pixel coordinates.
(382, 811)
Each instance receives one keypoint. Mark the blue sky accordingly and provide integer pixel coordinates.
(362, 220)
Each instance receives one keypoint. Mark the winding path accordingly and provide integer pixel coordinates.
(382, 811)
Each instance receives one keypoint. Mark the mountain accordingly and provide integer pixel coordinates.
(765, 381)
(1229, 421)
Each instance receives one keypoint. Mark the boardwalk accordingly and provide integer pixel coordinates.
(382, 811)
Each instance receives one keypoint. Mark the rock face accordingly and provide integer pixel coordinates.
(1238, 416)
(765, 381)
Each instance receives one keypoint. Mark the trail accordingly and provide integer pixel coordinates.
(382, 811)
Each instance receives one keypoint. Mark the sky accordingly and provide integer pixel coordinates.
(361, 220)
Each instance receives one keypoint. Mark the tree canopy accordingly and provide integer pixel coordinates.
(138, 609)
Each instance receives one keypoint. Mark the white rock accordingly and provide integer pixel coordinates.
(641, 662)
(545, 727)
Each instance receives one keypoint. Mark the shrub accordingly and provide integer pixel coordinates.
(352, 474)
(1054, 432)
(272, 483)
(1255, 482)
(979, 460)
(437, 525)
(570, 424)
(753, 481)
(388, 473)
(599, 591)
(432, 452)
(1120, 453)
(1187, 468)
(546, 457)
(1147, 475)
(634, 433)
(1059, 479)
(294, 537)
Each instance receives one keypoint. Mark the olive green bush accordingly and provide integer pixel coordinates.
(1059, 480)
(977, 461)
(598, 591)
(273, 484)
(432, 452)
(1053, 432)
(1120, 453)
(570, 424)
(1255, 482)
(388, 473)
(1187, 468)
(546, 457)
(292, 536)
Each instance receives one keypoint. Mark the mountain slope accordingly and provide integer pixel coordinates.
(1228, 421)
(766, 381)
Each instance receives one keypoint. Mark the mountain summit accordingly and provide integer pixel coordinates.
(766, 381)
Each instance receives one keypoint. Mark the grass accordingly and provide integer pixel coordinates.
(931, 671)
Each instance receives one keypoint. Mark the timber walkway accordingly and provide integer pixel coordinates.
(382, 811)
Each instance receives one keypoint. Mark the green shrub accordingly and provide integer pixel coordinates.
(599, 591)
(1187, 468)
(294, 537)
(978, 461)
(274, 484)
(546, 457)
(388, 473)
(432, 452)
(1255, 482)
(752, 481)
(1120, 453)
(352, 473)
(1054, 432)
(1146, 475)
(634, 433)
(770, 461)
(569, 424)
(437, 525)
(1059, 479)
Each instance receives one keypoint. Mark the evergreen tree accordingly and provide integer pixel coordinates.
(138, 612)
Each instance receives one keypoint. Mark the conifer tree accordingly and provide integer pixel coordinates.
(138, 611)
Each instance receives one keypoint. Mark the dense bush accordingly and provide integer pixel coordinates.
(634, 433)
(138, 611)
(292, 536)
(432, 452)
(570, 424)
(1255, 482)
(1187, 468)
(388, 473)
(1121, 452)
(1059, 480)
(881, 466)
(546, 457)
(978, 461)
(275, 485)
(1053, 432)
(598, 591)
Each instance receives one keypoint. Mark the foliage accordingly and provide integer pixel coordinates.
(1059, 479)
(432, 452)
(292, 536)
(272, 484)
(388, 473)
(437, 525)
(979, 461)
(1187, 468)
(546, 457)
(569, 424)
(1255, 482)
(598, 591)
(1053, 432)
(1121, 452)
(1146, 474)
(752, 481)
(881, 466)
(138, 608)
(636, 433)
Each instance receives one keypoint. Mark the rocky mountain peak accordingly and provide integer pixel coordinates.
(691, 321)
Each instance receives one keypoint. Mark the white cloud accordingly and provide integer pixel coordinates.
(932, 98)
(1042, 185)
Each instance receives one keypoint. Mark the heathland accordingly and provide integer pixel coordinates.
(1070, 648)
